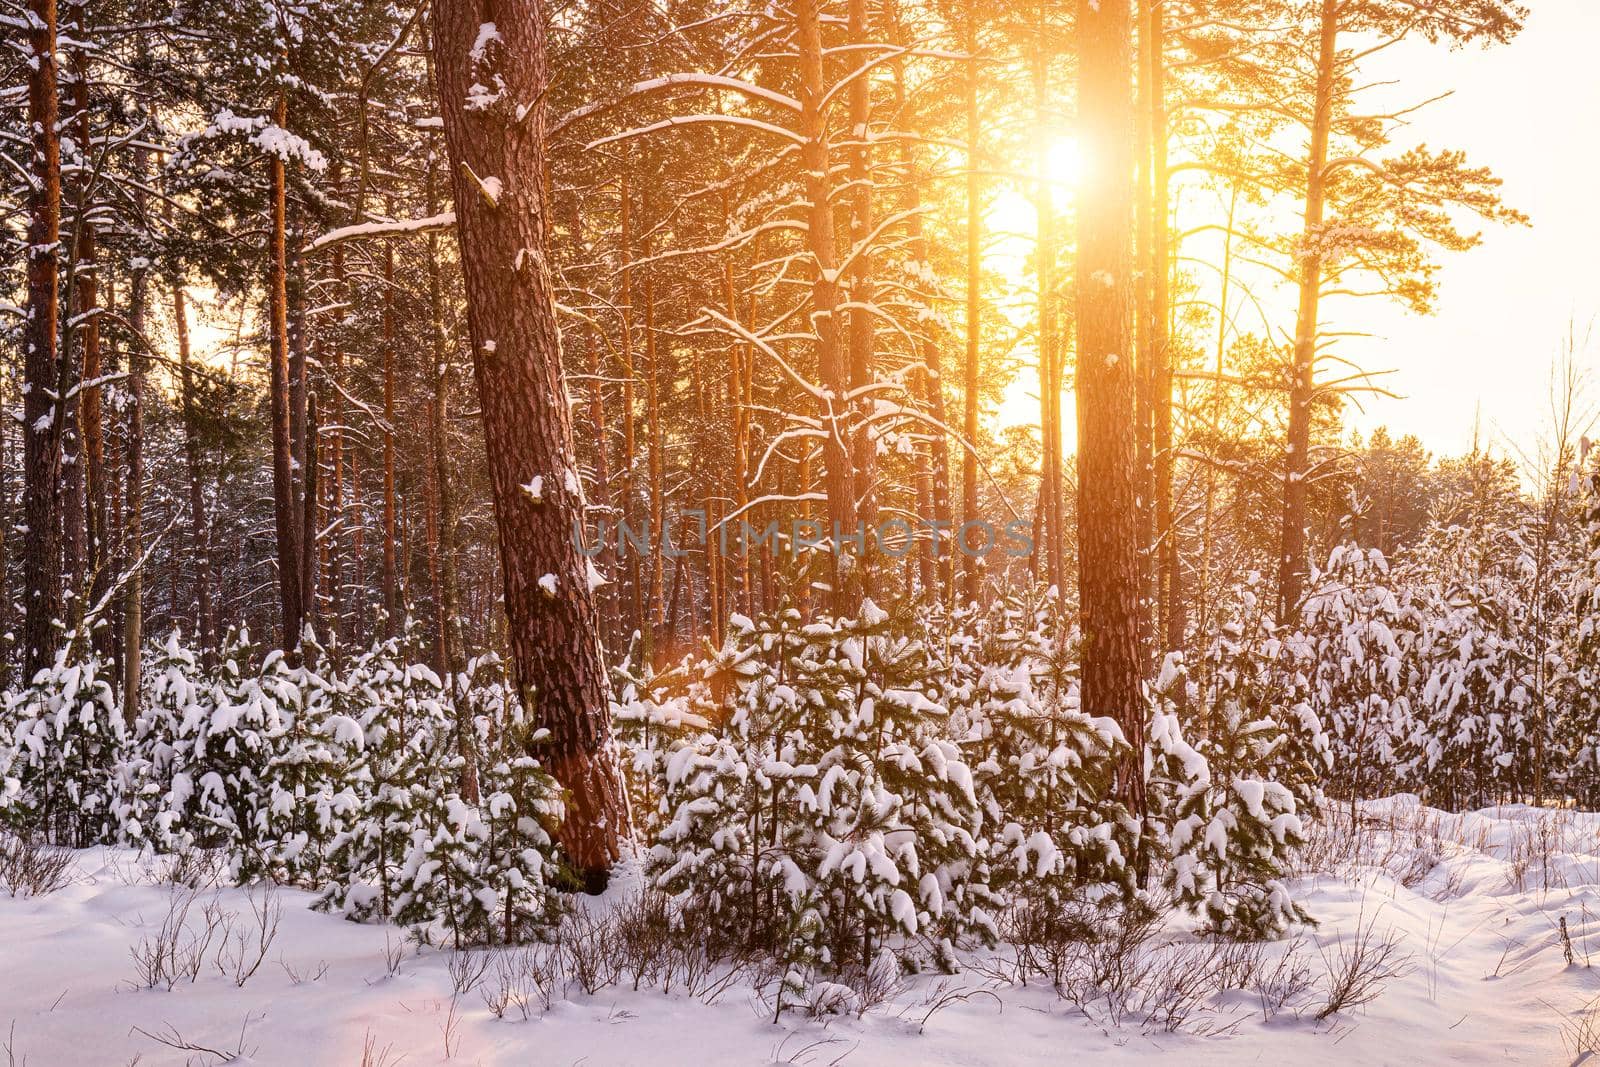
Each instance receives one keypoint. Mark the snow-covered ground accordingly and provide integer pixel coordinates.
(1473, 904)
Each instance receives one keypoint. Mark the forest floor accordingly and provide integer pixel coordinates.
(1471, 906)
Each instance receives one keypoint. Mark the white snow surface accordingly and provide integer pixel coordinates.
(1475, 899)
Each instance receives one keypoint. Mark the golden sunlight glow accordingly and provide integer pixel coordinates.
(1012, 221)
(1064, 166)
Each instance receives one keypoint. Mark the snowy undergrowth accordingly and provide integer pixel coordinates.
(1448, 926)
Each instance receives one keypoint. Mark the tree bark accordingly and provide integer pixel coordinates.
(1108, 517)
(863, 331)
(391, 579)
(133, 528)
(199, 529)
(1173, 612)
(936, 562)
(310, 499)
(86, 296)
(1144, 339)
(333, 373)
(497, 154)
(832, 356)
(1302, 374)
(299, 431)
(285, 513)
(641, 624)
(1050, 502)
(42, 416)
(739, 356)
(971, 572)
(656, 470)
(452, 641)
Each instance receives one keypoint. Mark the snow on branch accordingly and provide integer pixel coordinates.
(736, 240)
(401, 227)
(676, 81)
(761, 345)
(693, 120)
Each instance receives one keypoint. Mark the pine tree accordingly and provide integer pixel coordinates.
(63, 755)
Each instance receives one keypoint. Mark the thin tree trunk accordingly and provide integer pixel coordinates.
(739, 356)
(133, 529)
(299, 437)
(641, 625)
(452, 641)
(1144, 337)
(972, 575)
(333, 374)
(1049, 337)
(863, 335)
(285, 513)
(1297, 447)
(358, 547)
(527, 423)
(934, 462)
(607, 601)
(391, 579)
(86, 292)
(1173, 613)
(199, 532)
(310, 498)
(656, 469)
(1208, 530)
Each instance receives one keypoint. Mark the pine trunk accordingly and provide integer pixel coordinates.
(630, 444)
(972, 577)
(285, 513)
(497, 159)
(86, 295)
(832, 356)
(1108, 515)
(863, 335)
(199, 529)
(1050, 502)
(42, 417)
(391, 579)
(133, 527)
(1302, 375)
(1173, 614)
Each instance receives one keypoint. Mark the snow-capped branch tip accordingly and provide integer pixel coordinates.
(396, 228)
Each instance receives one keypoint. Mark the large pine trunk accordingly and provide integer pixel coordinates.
(41, 427)
(1108, 514)
(497, 170)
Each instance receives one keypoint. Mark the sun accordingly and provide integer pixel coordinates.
(1064, 165)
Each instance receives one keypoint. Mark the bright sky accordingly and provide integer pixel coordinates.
(1530, 111)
